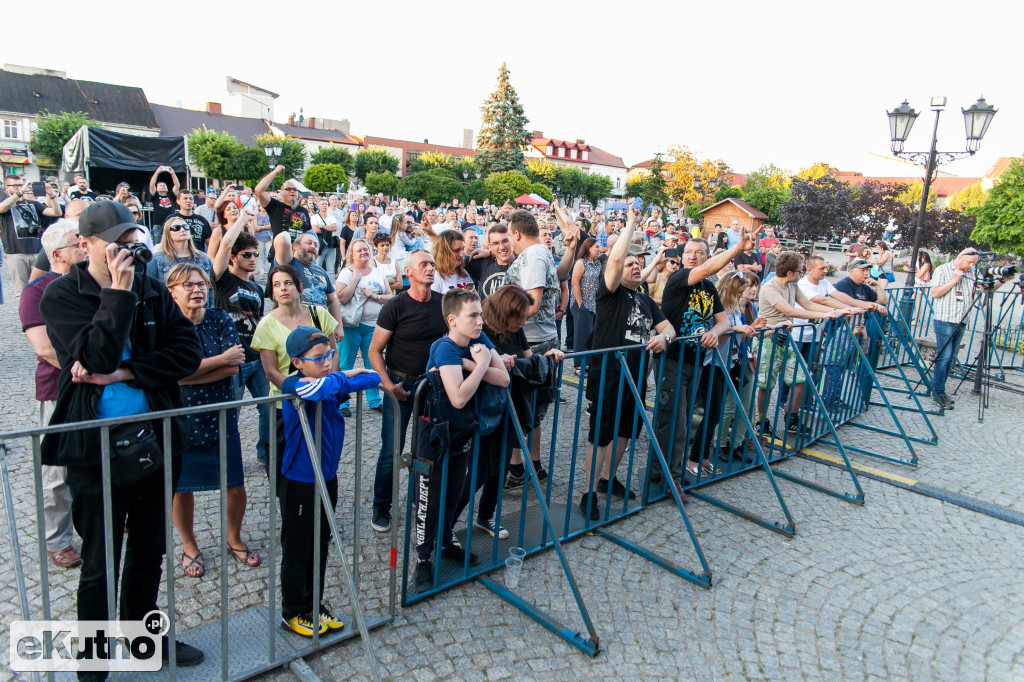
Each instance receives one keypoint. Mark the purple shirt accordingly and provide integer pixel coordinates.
(28, 309)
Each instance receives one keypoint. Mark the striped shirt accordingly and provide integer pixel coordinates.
(952, 306)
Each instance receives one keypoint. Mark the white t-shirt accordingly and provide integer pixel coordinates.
(444, 284)
(822, 288)
(385, 222)
(376, 281)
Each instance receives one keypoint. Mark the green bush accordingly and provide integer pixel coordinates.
(325, 177)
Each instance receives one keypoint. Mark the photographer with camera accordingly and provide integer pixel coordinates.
(21, 227)
(122, 345)
(952, 294)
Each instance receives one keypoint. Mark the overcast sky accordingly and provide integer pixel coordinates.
(749, 82)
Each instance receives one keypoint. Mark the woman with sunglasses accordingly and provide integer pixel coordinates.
(271, 336)
(213, 382)
(175, 248)
(664, 265)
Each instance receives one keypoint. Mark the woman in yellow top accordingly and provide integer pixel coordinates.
(271, 335)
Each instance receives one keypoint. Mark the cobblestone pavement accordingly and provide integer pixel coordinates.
(904, 587)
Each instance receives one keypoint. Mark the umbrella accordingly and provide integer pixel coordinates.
(615, 206)
(539, 198)
(527, 199)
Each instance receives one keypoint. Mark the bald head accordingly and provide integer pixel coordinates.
(74, 209)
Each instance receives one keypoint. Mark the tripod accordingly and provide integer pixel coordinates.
(981, 366)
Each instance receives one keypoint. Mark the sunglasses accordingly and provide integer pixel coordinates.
(177, 228)
(674, 262)
(320, 359)
(246, 254)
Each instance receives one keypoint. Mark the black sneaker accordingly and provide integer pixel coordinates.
(513, 482)
(793, 425)
(542, 475)
(764, 429)
(185, 655)
(381, 521)
(618, 490)
(456, 552)
(345, 412)
(424, 575)
(595, 508)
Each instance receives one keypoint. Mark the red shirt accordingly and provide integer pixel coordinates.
(28, 309)
(764, 245)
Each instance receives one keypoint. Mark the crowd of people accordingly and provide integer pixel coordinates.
(127, 319)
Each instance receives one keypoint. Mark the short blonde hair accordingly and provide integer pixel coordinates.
(181, 272)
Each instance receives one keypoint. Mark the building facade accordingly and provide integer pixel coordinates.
(578, 154)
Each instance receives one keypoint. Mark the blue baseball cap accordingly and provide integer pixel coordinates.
(302, 339)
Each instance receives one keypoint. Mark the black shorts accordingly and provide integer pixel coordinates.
(607, 394)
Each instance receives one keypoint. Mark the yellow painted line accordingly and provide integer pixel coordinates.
(860, 467)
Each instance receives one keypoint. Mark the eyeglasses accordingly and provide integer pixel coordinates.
(177, 228)
(320, 359)
(69, 246)
(246, 254)
(192, 286)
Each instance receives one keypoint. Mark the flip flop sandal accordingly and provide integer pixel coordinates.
(193, 561)
(709, 469)
(245, 556)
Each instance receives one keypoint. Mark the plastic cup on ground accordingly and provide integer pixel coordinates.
(517, 552)
(513, 567)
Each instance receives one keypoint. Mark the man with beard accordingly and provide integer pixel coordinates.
(317, 285)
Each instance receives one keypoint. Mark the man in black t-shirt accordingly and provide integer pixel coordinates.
(406, 327)
(747, 261)
(625, 316)
(81, 190)
(242, 299)
(489, 272)
(286, 215)
(162, 198)
(21, 228)
(197, 224)
(692, 306)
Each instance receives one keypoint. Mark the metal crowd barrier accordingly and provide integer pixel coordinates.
(258, 645)
(720, 415)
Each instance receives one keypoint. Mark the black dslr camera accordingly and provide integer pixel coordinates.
(989, 273)
(139, 252)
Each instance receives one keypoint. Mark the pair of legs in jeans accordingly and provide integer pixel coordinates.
(385, 460)
(947, 341)
(357, 340)
(251, 376)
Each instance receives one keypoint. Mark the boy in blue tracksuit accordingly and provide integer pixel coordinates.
(314, 382)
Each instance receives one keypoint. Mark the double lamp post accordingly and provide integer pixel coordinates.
(901, 119)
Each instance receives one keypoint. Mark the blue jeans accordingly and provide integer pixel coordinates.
(251, 376)
(947, 340)
(358, 339)
(385, 460)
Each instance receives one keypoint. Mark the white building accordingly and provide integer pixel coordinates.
(578, 154)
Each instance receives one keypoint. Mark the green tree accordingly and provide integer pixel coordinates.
(434, 186)
(571, 183)
(505, 186)
(969, 199)
(599, 187)
(541, 190)
(325, 177)
(637, 185)
(385, 183)
(469, 167)
(1000, 220)
(337, 155)
(213, 152)
(374, 160)
(293, 153)
(476, 190)
(54, 130)
(656, 188)
(727, 192)
(248, 164)
(767, 189)
(503, 132)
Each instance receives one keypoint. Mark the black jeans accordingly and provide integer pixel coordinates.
(428, 491)
(296, 501)
(711, 385)
(142, 507)
(386, 458)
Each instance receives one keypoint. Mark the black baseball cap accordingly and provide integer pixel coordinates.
(107, 220)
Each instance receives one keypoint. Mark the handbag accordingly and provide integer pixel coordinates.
(352, 312)
(134, 453)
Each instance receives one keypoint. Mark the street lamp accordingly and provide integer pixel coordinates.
(273, 152)
(977, 119)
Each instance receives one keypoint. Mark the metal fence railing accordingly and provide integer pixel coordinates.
(236, 645)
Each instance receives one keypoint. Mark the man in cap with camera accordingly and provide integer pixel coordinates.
(21, 226)
(122, 345)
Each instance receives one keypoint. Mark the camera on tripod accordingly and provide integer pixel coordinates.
(989, 273)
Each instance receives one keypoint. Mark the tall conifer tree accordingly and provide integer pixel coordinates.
(503, 129)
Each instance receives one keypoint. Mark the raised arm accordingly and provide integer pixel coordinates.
(175, 185)
(283, 248)
(152, 180)
(617, 256)
(261, 187)
(223, 253)
(721, 259)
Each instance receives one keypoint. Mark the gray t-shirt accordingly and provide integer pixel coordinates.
(535, 268)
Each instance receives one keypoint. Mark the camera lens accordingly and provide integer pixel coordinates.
(139, 252)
